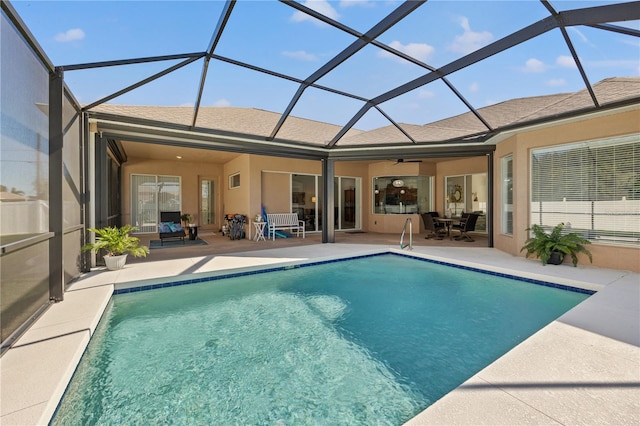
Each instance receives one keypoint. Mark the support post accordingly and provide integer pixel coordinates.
(490, 184)
(56, 224)
(101, 182)
(328, 202)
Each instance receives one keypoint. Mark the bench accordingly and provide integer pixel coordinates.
(289, 221)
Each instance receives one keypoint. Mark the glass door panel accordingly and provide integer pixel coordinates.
(151, 195)
(348, 208)
(304, 199)
(144, 210)
(207, 216)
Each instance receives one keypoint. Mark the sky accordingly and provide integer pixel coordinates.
(272, 35)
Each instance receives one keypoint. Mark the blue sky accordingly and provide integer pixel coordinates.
(274, 36)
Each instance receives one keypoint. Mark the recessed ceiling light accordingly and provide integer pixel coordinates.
(179, 157)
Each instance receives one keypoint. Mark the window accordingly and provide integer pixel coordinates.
(507, 195)
(401, 194)
(150, 195)
(592, 187)
(234, 180)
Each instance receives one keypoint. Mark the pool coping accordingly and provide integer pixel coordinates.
(56, 334)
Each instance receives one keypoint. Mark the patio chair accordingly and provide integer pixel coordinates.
(438, 225)
(430, 227)
(467, 224)
(170, 227)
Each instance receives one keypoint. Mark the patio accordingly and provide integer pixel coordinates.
(580, 369)
(222, 245)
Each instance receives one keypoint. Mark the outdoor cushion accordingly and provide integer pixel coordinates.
(165, 227)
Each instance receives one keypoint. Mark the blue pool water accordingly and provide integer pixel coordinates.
(370, 340)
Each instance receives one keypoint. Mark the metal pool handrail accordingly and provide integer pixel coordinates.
(404, 230)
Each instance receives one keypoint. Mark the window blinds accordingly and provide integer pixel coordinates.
(592, 187)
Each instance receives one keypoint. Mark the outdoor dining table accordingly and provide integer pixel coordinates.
(447, 222)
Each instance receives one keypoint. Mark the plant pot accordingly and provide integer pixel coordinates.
(556, 258)
(115, 262)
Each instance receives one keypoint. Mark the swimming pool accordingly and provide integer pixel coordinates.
(368, 340)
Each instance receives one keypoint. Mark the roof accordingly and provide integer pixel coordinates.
(257, 122)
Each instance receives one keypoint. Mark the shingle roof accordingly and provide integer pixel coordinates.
(257, 122)
(249, 121)
(514, 111)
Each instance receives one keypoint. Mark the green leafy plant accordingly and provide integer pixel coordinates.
(186, 218)
(117, 241)
(544, 244)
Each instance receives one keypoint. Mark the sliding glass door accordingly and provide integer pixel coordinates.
(207, 216)
(306, 200)
(151, 195)
(466, 194)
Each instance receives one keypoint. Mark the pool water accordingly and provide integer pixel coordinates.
(371, 340)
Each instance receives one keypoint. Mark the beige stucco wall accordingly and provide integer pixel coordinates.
(189, 172)
(520, 146)
(247, 199)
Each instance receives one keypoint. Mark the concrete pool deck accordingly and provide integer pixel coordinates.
(583, 368)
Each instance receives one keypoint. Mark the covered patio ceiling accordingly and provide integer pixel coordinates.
(345, 79)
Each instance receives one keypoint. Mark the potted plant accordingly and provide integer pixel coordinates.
(117, 243)
(554, 246)
(186, 219)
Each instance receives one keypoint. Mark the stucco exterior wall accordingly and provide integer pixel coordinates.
(248, 198)
(189, 173)
(520, 146)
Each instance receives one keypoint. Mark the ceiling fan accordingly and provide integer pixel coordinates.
(402, 160)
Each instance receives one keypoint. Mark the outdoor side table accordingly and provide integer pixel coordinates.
(259, 228)
(193, 232)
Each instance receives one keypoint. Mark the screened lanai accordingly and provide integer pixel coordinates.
(327, 81)
(383, 73)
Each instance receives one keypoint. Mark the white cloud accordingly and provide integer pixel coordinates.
(474, 87)
(362, 3)
(320, 6)
(186, 104)
(73, 34)
(420, 51)
(490, 101)
(556, 82)
(425, 94)
(534, 65)
(566, 62)
(469, 40)
(301, 55)
(222, 103)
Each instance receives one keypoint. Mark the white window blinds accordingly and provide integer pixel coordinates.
(593, 187)
(150, 195)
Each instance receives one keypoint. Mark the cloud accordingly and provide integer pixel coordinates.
(534, 65)
(469, 40)
(420, 51)
(425, 94)
(222, 103)
(320, 6)
(583, 38)
(556, 82)
(301, 55)
(565, 62)
(474, 87)
(73, 34)
(362, 3)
